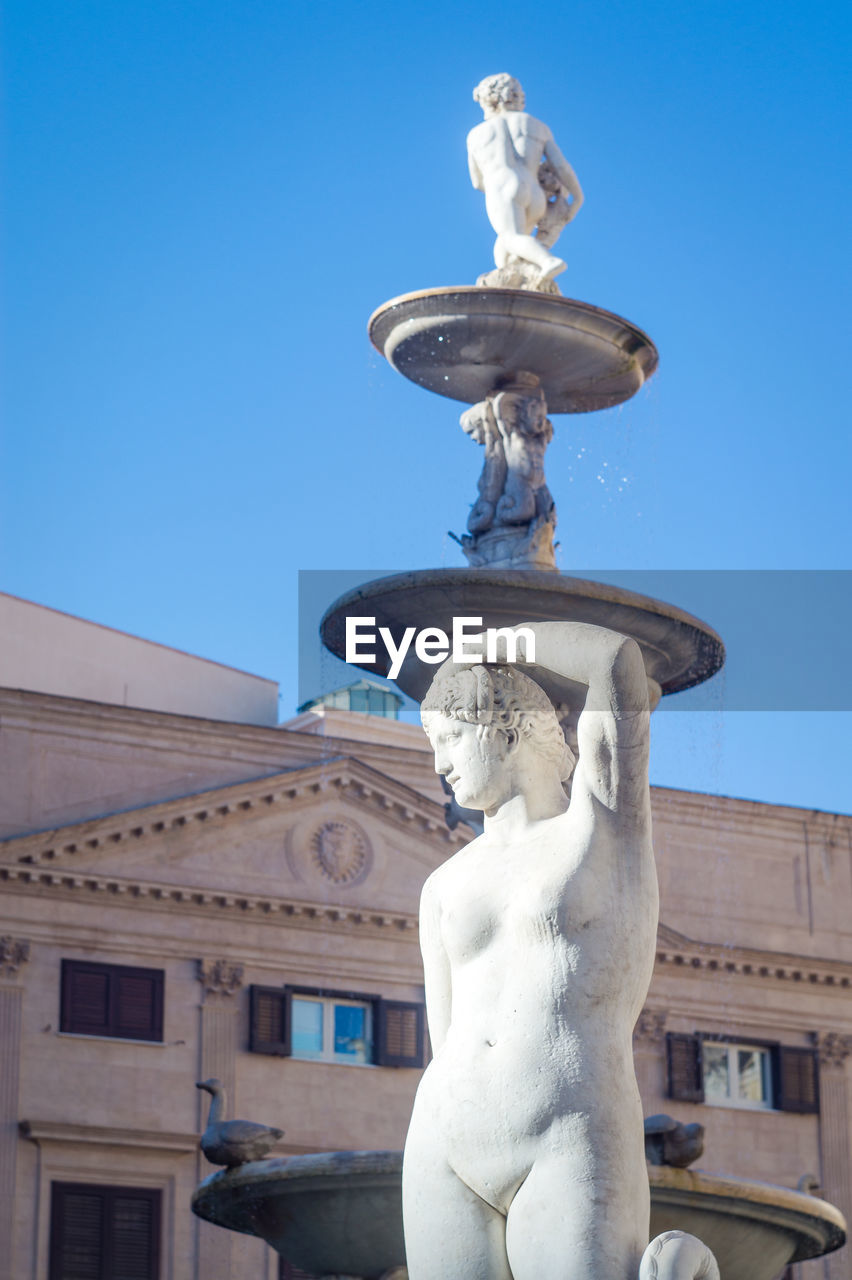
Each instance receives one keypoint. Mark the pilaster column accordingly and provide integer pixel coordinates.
(834, 1050)
(219, 1031)
(14, 952)
(649, 1054)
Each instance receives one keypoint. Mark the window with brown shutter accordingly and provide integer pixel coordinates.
(318, 1025)
(111, 1000)
(101, 1233)
(726, 1071)
(399, 1038)
(269, 1021)
(683, 1056)
(797, 1076)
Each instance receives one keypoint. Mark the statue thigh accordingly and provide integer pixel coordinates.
(450, 1232)
(564, 1224)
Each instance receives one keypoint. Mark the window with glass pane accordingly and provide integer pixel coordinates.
(307, 1031)
(330, 1030)
(350, 1032)
(716, 1082)
(737, 1075)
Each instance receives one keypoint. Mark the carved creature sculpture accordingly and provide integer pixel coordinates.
(526, 431)
(525, 1156)
(515, 430)
(480, 425)
(505, 154)
(233, 1142)
(669, 1142)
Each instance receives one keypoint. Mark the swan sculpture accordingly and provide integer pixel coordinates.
(233, 1142)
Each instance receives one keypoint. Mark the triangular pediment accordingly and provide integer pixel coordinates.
(339, 832)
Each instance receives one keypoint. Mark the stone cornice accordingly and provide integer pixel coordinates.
(731, 812)
(149, 1139)
(157, 896)
(342, 776)
(676, 951)
(42, 712)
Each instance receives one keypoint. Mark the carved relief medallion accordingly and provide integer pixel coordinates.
(339, 852)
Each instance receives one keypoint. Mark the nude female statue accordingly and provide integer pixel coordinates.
(525, 1155)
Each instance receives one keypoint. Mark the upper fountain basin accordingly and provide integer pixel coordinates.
(467, 342)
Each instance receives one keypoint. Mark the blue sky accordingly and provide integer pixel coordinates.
(205, 202)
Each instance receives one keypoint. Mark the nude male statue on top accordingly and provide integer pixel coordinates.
(525, 1156)
(505, 153)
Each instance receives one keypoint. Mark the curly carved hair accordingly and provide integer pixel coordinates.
(502, 698)
(500, 91)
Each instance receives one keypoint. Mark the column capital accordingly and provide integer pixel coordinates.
(13, 953)
(832, 1047)
(651, 1026)
(220, 977)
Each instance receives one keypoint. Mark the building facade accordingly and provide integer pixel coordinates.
(187, 896)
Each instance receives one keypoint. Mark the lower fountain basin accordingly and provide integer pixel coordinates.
(335, 1213)
(754, 1229)
(678, 650)
(340, 1212)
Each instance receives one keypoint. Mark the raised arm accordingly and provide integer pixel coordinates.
(613, 727)
(566, 176)
(436, 966)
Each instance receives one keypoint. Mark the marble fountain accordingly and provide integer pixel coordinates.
(514, 350)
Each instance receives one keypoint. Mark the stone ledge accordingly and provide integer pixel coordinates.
(106, 1136)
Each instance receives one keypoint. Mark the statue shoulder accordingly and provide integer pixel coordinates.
(480, 133)
(522, 123)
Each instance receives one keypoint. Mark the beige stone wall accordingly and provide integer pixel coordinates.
(52, 652)
(63, 760)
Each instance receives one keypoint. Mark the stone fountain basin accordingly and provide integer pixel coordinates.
(469, 341)
(334, 1213)
(340, 1212)
(755, 1229)
(678, 650)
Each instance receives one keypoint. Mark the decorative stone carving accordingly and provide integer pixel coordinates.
(832, 1048)
(528, 186)
(526, 1140)
(668, 1142)
(675, 1255)
(13, 953)
(513, 520)
(651, 1026)
(339, 852)
(220, 977)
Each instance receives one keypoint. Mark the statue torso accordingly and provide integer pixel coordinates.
(551, 945)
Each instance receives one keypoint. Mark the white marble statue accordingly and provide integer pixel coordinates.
(527, 181)
(525, 1155)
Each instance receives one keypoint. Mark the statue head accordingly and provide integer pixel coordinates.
(499, 93)
(523, 411)
(477, 716)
